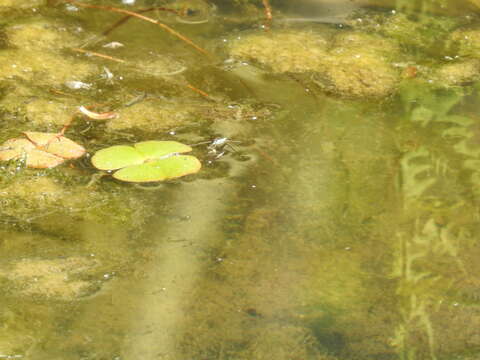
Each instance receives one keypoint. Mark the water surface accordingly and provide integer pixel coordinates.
(340, 223)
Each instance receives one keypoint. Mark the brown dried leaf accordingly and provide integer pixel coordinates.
(39, 159)
(15, 148)
(56, 144)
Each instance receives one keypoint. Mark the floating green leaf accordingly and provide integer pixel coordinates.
(147, 161)
(159, 170)
(117, 157)
(157, 149)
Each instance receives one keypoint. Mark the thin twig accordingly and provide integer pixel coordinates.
(66, 125)
(201, 92)
(88, 52)
(58, 92)
(145, 18)
(128, 17)
(93, 53)
(268, 13)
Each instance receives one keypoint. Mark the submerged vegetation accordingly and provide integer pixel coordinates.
(336, 213)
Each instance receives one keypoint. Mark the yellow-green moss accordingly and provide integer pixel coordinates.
(42, 67)
(150, 116)
(37, 190)
(42, 200)
(354, 41)
(16, 332)
(49, 113)
(422, 32)
(359, 65)
(36, 109)
(458, 73)
(55, 279)
(283, 343)
(284, 51)
(466, 42)
(19, 4)
(351, 64)
(362, 76)
(40, 36)
(15, 98)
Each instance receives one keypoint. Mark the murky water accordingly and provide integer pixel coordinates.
(339, 222)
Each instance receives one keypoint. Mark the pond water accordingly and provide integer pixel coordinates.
(337, 219)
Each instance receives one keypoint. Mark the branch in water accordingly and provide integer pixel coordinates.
(142, 17)
(268, 12)
(128, 17)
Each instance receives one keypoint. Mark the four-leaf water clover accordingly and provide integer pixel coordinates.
(147, 161)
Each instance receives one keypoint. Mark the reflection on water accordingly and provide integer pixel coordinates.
(341, 224)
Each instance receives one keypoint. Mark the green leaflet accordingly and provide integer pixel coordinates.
(117, 157)
(170, 168)
(147, 161)
(157, 149)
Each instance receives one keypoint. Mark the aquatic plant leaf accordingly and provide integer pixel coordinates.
(56, 144)
(39, 159)
(156, 149)
(41, 150)
(117, 157)
(15, 149)
(147, 161)
(170, 168)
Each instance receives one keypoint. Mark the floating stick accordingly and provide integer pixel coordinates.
(128, 17)
(201, 92)
(268, 13)
(93, 53)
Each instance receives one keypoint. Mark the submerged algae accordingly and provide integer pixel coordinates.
(282, 51)
(40, 200)
(436, 243)
(458, 73)
(152, 116)
(424, 32)
(348, 64)
(43, 68)
(368, 61)
(9, 5)
(63, 279)
(47, 114)
(35, 54)
(40, 34)
(465, 42)
(360, 65)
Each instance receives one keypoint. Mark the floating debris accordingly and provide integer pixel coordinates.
(113, 45)
(41, 150)
(97, 116)
(76, 85)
